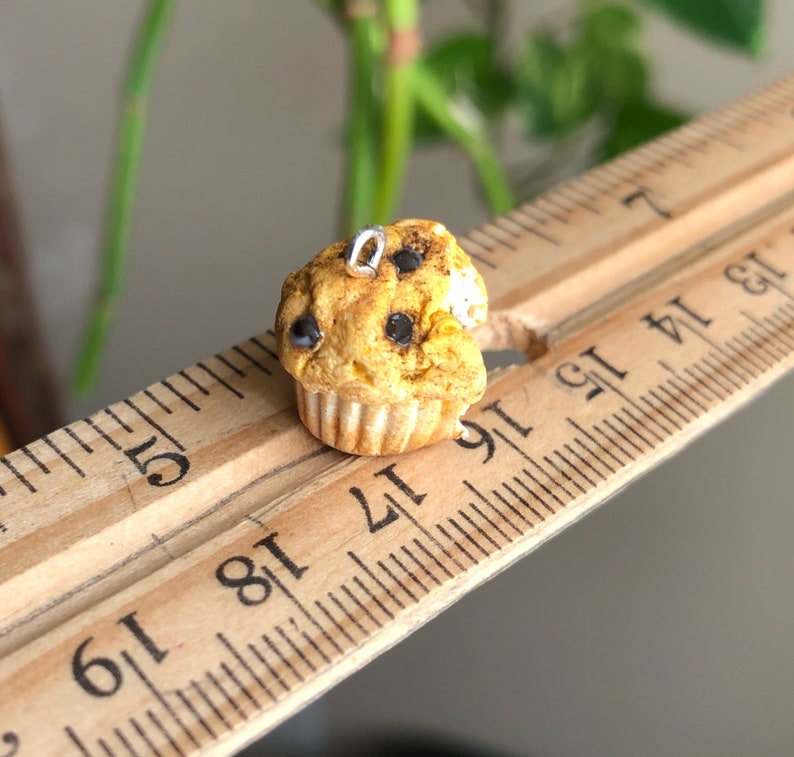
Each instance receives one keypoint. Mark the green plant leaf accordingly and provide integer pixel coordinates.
(465, 65)
(556, 87)
(639, 122)
(737, 23)
(609, 25)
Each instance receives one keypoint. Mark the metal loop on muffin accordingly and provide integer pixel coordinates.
(369, 269)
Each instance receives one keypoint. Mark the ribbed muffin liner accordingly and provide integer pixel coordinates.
(378, 429)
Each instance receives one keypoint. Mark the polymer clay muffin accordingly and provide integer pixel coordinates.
(373, 330)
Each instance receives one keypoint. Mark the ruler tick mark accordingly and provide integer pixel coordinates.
(106, 748)
(276, 677)
(8, 464)
(238, 656)
(564, 474)
(154, 424)
(225, 694)
(138, 728)
(203, 389)
(361, 585)
(119, 734)
(109, 412)
(192, 405)
(357, 602)
(280, 655)
(408, 572)
(236, 681)
(324, 610)
(68, 460)
(264, 347)
(75, 437)
(574, 467)
(456, 543)
(240, 351)
(77, 741)
(230, 365)
(34, 459)
(217, 378)
(160, 727)
(396, 580)
(421, 547)
(295, 601)
(109, 440)
(348, 614)
(479, 529)
(200, 719)
(489, 504)
(147, 682)
(157, 402)
(421, 565)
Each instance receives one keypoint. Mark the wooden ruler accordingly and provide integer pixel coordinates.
(187, 568)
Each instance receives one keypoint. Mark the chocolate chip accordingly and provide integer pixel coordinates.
(399, 328)
(305, 332)
(407, 260)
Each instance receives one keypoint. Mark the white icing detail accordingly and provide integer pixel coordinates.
(465, 298)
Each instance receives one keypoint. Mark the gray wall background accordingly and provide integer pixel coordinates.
(661, 625)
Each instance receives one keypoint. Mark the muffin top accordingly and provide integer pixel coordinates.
(396, 336)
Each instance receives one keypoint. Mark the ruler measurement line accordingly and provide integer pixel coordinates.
(165, 732)
(408, 572)
(473, 560)
(751, 346)
(274, 674)
(283, 659)
(154, 424)
(225, 384)
(618, 432)
(200, 719)
(192, 405)
(77, 741)
(298, 604)
(230, 365)
(298, 651)
(683, 391)
(574, 467)
(397, 581)
(71, 433)
(105, 747)
(155, 692)
(218, 686)
(315, 646)
(109, 412)
(386, 611)
(466, 535)
(479, 529)
(151, 395)
(419, 564)
(361, 606)
(324, 610)
(240, 687)
(102, 433)
(119, 734)
(8, 464)
(489, 521)
(35, 460)
(243, 664)
(258, 342)
(240, 351)
(477, 493)
(68, 460)
(592, 439)
(352, 618)
(206, 699)
(138, 728)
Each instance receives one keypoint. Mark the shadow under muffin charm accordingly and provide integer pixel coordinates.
(374, 332)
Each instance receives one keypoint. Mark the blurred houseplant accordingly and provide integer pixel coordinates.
(461, 88)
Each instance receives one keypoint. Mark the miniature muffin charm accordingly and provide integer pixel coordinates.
(373, 330)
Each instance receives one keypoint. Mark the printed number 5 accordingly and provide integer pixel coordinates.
(156, 479)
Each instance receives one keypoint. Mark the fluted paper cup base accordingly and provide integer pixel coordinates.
(364, 429)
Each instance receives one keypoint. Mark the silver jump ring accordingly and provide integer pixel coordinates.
(368, 270)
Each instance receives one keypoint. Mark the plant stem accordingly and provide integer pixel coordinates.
(467, 129)
(360, 173)
(118, 219)
(402, 19)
